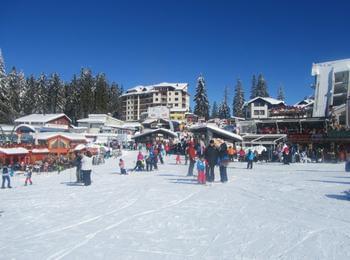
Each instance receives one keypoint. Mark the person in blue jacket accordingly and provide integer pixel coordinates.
(250, 159)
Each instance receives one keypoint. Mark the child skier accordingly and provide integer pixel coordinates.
(122, 166)
(28, 174)
(178, 158)
(201, 165)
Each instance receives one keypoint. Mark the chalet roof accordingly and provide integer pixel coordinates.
(153, 88)
(40, 118)
(269, 100)
(69, 136)
(151, 131)
(13, 151)
(217, 130)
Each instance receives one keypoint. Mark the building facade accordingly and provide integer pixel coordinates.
(137, 100)
(259, 107)
(332, 89)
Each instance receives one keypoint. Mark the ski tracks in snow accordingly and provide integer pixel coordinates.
(63, 253)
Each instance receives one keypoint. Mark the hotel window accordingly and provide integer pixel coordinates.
(176, 93)
(176, 99)
(176, 105)
(340, 93)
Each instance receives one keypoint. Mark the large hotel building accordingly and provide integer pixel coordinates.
(174, 96)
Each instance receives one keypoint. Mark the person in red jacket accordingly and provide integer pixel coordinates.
(192, 156)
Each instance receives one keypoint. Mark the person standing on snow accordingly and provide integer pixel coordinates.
(192, 156)
(6, 177)
(250, 159)
(201, 165)
(28, 174)
(211, 155)
(223, 162)
(122, 167)
(86, 168)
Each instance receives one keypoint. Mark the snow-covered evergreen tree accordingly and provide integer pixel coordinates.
(215, 110)
(253, 93)
(261, 87)
(87, 85)
(114, 101)
(28, 102)
(14, 94)
(41, 95)
(224, 109)
(238, 100)
(55, 94)
(201, 101)
(5, 107)
(72, 99)
(101, 94)
(280, 93)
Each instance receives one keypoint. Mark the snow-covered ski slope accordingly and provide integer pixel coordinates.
(274, 211)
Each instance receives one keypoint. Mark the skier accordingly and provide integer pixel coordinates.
(192, 156)
(86, 168)
(149, 164)
(201, 165)
(139, 163)
(178, 158)
(6, 177)
(211, 155)
(28, 174)
(122, 166)
(223, 162)
(250, 159)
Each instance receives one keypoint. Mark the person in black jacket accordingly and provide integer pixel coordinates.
(211, 156)
(6, 177)
(223, 162)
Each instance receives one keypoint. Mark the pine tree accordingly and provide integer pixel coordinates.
(214, 111)
(280, 93)
(28, 103)
(87, 85)
(55, 95)
(238, 100)
(14, 94)
(72, 99)
(201, 107)
(5, 107)
(41, 95)
(224, 109)
(114, 101)
(253, 93)
(261, 87)
(101, 94)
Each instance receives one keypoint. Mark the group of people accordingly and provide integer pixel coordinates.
(206, 160)
(7, 172)
(84, 162)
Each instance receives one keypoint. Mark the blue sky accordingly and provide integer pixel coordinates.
(145, 42)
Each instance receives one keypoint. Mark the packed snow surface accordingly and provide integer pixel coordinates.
(298, 211)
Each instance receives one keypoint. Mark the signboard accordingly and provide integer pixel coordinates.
(158, 112)
(56, 126)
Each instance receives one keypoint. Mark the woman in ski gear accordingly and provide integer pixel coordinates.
(86, 168)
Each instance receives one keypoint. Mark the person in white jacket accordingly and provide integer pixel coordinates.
(86, 167)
